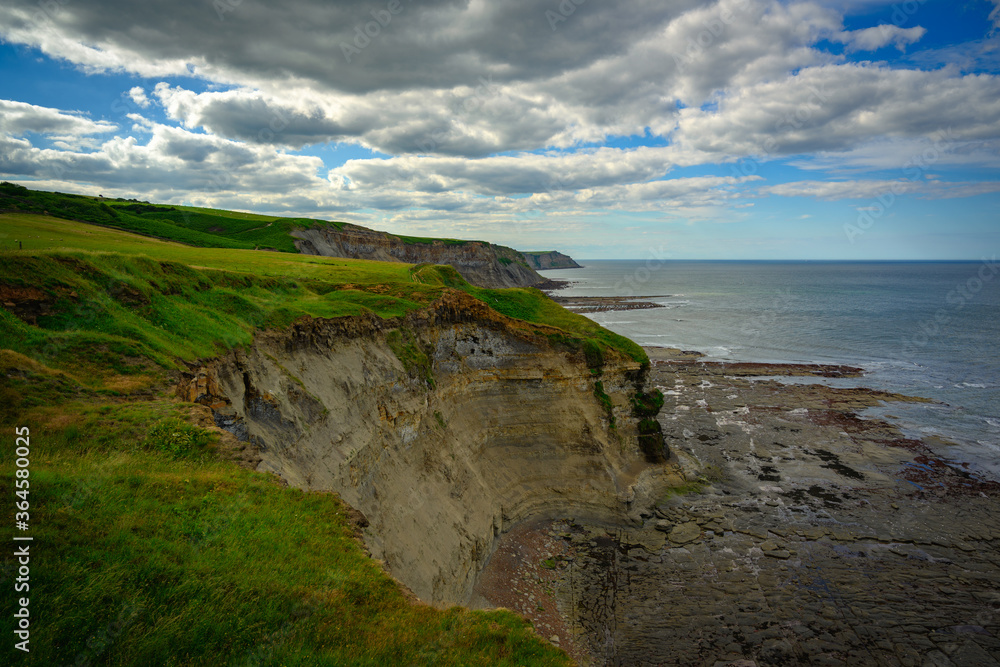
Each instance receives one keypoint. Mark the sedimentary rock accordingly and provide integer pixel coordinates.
(445, 428)
(480, 263)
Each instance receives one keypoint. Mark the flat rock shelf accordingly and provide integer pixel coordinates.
(603, 304)
(806, 535)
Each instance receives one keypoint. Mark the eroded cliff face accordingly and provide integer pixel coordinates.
(482, 264)
(510, 429)
(543, 261)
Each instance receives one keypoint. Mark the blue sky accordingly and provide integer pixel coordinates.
(738, 129)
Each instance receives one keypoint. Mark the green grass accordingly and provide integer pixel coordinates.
(531, 305)
(151, 548)
(203, 227)
(414, 240)
(164, 301)
(151, 552)
(106, 309)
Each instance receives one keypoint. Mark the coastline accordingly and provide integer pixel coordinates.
(805, 534)
(871, 315)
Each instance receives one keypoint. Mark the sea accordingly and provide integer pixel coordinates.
(929, 329)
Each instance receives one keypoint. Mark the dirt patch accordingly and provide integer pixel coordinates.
(521, 576)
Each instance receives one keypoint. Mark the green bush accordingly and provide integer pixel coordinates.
(594, 354)
(177, 438)
(647, 405)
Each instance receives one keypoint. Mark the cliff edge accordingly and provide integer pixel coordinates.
(444, 428)
(482, 264)
(549, 259)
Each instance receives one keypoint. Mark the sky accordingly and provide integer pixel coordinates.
(738, 129)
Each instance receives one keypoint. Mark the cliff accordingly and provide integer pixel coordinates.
(444, 428)
(480, 263)
(544, 261)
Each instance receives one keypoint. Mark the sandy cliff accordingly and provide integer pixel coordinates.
(482, 424)
(480, 263)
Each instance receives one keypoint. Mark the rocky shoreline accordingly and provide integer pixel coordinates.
(603, 304)
(803, 535)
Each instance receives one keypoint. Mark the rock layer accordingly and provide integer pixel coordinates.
(807, 535)
(480, 263)
(544, 261)
(511, 428)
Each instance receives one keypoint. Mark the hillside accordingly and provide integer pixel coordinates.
(481, 263)
(160, 537)
(545, 260)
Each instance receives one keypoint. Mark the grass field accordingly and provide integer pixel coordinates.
(203, 227)
(191, 225)
(150, 548)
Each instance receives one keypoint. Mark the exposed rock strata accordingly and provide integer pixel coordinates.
(807, 536)
(482, 264)
(510, 429)
(545, 261)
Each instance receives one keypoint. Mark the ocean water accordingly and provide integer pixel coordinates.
(918, 328)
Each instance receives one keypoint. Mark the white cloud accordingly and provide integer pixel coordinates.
(138, 95)
(872, 39)
(446, 86)
(171, 162)
(840, 107)
(873, 189)
(18, 118)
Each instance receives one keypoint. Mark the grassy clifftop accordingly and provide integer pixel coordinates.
(154, 549)
(203, 227)
(165, 302)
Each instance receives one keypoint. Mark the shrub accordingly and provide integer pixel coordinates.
(593, 353)
(177, 438)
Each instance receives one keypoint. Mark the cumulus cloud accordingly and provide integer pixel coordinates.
(872, 39)
(509, 174)
(138, 95)
(492, 111)
(17, 118)
(426, 44)
(172, 161)
(475, 78)
(839, 107)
